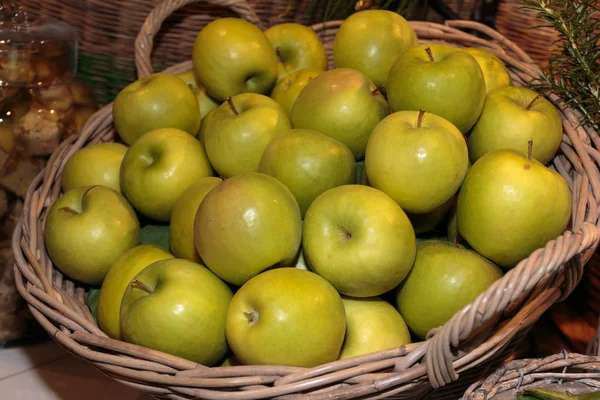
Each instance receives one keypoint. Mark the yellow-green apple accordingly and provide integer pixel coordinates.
(159, 167)
(443, 279)
(341, 103)
(87, 230)
(246, 224)
(495, 73)
(359, 239)
(418, 158)
(202, 131)
(423, 223)
(97, 164)
(205, 102)
(372, 324)
(181, 225)
(308, 163)
(511, 117)
(297, 46)
(233, 56)
(440, 79)
(287, 90)
(510, 205)
(116, 281)
(286, 316)
(370, 41)
(178, 307)
(160, 100)
(238, 131)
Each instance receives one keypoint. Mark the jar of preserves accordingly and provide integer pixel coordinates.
(41, 101)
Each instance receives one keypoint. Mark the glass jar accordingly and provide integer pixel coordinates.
(41, 102)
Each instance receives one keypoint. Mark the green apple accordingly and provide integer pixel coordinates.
(440, 79)
(443, 279)
(359, 239)
(426, 222)
(205, 102)
(341, 103)
(510, 205)
(287, 90)
(97, 164)
(495, 73)
(87, 230)
(286, 316)
(418, 158)
(372, 325)
(233, 56)
(178, 307)
(181, 226)
(202, 131)
(370, 41)
(238, 131)
(116, 281)
(160, 100)
(246, 224)
(159, 167)
(297, 47)
(308, 163)
(511, 117)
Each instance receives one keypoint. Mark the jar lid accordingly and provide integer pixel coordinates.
(34, 52)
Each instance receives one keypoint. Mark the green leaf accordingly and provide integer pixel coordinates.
(156, 234)
(92, 301)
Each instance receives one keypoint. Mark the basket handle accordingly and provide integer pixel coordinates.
(145, 39)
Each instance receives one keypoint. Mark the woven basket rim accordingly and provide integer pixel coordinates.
(479, 331)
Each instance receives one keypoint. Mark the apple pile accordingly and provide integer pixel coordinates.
(314, 214)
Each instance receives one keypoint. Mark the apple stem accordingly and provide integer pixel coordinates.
(87, 191)
(235, 111)
(251, 316)
(429, 53)
(533, 101)
(377, 90)
(529, 149)
(70, 210)
(278, 51)
(455, 240)
(140, 285)
(420, 118)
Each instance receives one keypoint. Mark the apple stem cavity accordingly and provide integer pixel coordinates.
(252, 316)
(420, 118)
(235, 111)
(140, 285)
(532, 102)
(69, 210)
(430, 54)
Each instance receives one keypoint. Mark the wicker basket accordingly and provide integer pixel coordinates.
(476, 339)
(563, 372)
(518, 25)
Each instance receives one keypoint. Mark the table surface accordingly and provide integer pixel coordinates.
(45, 371)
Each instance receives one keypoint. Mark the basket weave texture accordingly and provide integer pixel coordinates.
(564, 372)
(476, 339)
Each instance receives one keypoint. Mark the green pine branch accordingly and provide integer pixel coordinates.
(573, 71)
